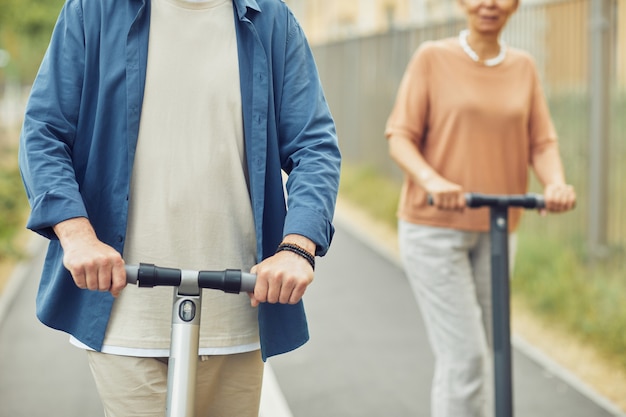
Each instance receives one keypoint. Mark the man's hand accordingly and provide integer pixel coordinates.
(284, 277)
(93, 264)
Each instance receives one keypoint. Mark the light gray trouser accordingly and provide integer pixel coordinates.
(450, 273)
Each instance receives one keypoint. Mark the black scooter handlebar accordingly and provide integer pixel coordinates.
(229, 280)
(476, 200)
(528, 201)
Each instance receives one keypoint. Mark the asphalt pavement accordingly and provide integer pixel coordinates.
(41, 374)
(368, 354)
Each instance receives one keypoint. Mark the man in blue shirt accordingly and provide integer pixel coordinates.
(130, 96)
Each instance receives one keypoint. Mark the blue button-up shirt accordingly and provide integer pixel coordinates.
(80, 134)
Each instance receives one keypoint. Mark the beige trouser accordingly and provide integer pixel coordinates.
(227, 385)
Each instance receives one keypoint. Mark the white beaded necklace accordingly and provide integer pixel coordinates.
(492, 62)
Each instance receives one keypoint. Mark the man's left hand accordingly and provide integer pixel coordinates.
(284, 277)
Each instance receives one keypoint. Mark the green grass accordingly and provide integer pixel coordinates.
(373, 192)
(553, 274)
(555, 279)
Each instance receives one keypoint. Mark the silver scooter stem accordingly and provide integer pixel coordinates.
(182, 367)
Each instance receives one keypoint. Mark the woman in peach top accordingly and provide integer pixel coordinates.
(470, 116)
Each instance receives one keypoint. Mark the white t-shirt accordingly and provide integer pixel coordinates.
(189, 202)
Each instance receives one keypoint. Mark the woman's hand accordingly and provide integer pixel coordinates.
(559, 197)
(445, 195)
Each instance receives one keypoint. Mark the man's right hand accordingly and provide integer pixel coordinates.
(93, 264)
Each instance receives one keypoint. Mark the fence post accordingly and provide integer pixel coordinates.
(599, 121)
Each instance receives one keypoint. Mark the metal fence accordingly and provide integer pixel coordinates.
(580, 52)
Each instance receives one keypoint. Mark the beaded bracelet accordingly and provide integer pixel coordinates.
(299, 250)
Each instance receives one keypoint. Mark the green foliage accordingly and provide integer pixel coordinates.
(25, 29)
(371, 191)
(587, 299)
(30, 17)
(13, 203)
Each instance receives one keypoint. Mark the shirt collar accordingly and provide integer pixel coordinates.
(242, 7)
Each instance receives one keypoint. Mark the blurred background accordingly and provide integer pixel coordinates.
(25, 28)
(570, 270)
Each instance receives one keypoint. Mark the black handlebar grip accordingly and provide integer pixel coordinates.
(149, 275)
(231, 281)
(475, 200)
(541, 201)
(528, 201)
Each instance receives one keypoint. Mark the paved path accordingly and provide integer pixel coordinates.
(40, 374)
(368, 355)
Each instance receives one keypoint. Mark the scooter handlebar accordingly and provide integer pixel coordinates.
(229, 280)
(475, 200)
(528, 201)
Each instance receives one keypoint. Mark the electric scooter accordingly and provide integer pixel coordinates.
(185, 335)
(500, 291)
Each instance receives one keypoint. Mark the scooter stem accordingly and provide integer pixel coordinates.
(500, 299)
(181, 376)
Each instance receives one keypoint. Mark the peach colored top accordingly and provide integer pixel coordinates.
(477, 126)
